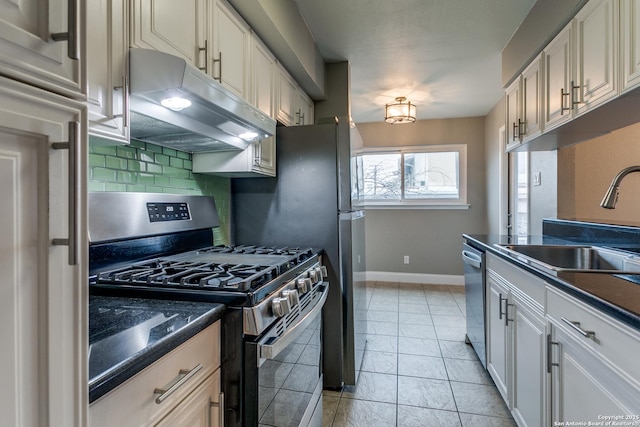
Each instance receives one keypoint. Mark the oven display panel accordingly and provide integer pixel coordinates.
(168, 212)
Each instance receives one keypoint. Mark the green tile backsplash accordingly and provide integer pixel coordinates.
(144, 167)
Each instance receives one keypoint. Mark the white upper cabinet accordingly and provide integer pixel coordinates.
(293, 106)
(231, 50)
(524, 105)
(304, 113)
(596, 60)
(175, 27)
(286, 89)
(630, 43)
(513, 111)
(107, 71)
(28, 51)
(532, 97)
(263, 78)
(557, 79)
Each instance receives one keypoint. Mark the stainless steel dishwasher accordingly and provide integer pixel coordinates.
(474, 290)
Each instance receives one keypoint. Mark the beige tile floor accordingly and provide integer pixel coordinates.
(417, 370)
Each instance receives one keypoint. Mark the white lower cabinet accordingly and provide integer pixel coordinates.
(555, 359)
(528, 400)
(592, 363)
(498, 336)
(148, 399)
(43, 321)
(516, 347)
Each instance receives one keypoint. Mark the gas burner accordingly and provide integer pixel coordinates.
(299, 253)
(191, 275)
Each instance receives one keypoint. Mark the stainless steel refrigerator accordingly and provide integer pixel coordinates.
(309, 204)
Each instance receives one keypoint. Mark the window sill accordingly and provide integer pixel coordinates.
(403, 206)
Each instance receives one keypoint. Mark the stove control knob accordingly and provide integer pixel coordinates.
(304, 285)
(292, 296)
(280, 306)
(323, 270)
(315, 276)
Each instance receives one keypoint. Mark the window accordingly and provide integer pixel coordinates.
(431, 176)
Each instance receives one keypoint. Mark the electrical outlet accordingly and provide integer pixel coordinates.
(406, 259)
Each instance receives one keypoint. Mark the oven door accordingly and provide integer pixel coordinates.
(283, 369)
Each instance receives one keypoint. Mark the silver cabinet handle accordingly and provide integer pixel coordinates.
(573, 88)
(220, 406)
(506, 313)
(562, 107)
(500, 299)
(188, 374)
(74, 171)
(71, 35)
(125, 100)
(219, 60)
(550, 364)
(576, 327)
(206, 57)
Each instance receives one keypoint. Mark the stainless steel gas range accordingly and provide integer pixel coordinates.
(160, 246)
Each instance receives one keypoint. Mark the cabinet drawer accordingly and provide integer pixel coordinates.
(134, 402)
(613, 340)
(526, 283)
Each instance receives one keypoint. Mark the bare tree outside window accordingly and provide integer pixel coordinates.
(415, 176)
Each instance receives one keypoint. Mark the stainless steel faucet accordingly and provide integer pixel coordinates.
(611, 196)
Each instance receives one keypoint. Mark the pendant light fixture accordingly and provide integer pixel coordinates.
(400, 111)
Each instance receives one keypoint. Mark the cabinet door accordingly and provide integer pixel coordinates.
(286, 97)
(630, 43)
(43, 357)
(107, 49)
(198, 409)
(27, 51)
(263, 80)
(557, 79)
(596, 79)
(231, 39)
(264, 156)
(304, 114)
(513, 120)
(528, 355)
(584, 387)
(532, 100)
(497, 330)
(175, 27)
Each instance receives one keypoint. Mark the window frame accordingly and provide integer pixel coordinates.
(425, 203)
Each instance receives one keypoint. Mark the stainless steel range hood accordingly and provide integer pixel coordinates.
(216, 120)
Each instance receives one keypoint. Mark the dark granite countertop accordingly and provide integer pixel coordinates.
(128, 334)
(616, 295)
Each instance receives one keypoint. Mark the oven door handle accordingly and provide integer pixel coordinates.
(271, 350)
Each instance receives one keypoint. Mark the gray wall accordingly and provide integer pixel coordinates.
(431, 237)
(545, 19)
(493, 145)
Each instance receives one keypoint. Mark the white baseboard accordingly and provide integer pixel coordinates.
(431, 279)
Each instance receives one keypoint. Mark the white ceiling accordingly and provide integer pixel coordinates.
(443, 55)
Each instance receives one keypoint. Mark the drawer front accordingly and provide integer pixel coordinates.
(134, 402)
(526, 283)
(613, 340)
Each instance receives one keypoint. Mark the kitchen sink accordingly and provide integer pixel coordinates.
(574, 258)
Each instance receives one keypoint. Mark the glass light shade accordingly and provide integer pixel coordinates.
(176, 103)
(400, 111)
